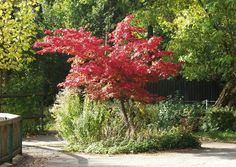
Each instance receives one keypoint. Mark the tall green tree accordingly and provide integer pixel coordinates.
(202, 34)
(17, 29)
(98, 16)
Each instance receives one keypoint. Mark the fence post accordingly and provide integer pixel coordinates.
(206, 102)
(21, 136)
(10, 142)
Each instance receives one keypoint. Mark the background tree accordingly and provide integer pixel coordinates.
(28, 82)
(17, 28)
(98, 17)
(201, 33)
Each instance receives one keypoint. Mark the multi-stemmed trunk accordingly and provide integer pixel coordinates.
(128, 118)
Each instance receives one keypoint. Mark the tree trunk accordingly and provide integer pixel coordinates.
(131, 116)
(128, 119)
(227, 96)
(124, 112)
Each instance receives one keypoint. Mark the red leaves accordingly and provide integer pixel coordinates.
(119, 71)
(124, 32)
(48, 32)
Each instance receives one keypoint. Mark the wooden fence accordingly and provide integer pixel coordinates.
(36, 118)
(10, 137)
(191, 91)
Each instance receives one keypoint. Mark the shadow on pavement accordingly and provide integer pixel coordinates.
(223, 153)
(75, 160)
(43, 138)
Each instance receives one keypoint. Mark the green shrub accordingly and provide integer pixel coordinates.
(84, 121)
(98, 127)
(170, 113)
(66, 111)
(192, 116)
(98, 121)
(219, 119)
(173, 113)
(176, 138)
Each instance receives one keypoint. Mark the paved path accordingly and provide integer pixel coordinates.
(46, 151)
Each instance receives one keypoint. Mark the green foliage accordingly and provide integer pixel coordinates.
(170, 113)
(173, 113)
(202, 30)
(226, 136)
(23, 88)
(200, 33)
(31, 127)
(97, 127)
(172, 139)
(84, 121)
(17, 28)
(66, 110)
(98, 17)
(219, 119)
(23, 83)
(97, 122)
(178, 138)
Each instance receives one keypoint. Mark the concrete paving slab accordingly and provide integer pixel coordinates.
(43, 154)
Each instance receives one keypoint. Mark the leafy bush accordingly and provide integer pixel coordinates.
(173, 113)
(80, 120)
(172, 139)
(97, 127)
(170, 113)
(66, 110)
(178, 138)
(192, 116)
(98, 121)
(219, 119)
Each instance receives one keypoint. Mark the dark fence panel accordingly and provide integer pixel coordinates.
(189, 90)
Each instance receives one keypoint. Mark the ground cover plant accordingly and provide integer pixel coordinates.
(110, 78)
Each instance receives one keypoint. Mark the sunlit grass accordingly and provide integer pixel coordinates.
(227, 136)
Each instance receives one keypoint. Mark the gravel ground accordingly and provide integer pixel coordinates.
(46, 151)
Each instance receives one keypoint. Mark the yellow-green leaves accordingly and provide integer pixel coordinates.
(201, 33)
(17, 27)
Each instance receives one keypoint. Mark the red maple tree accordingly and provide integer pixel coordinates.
(120, 70)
